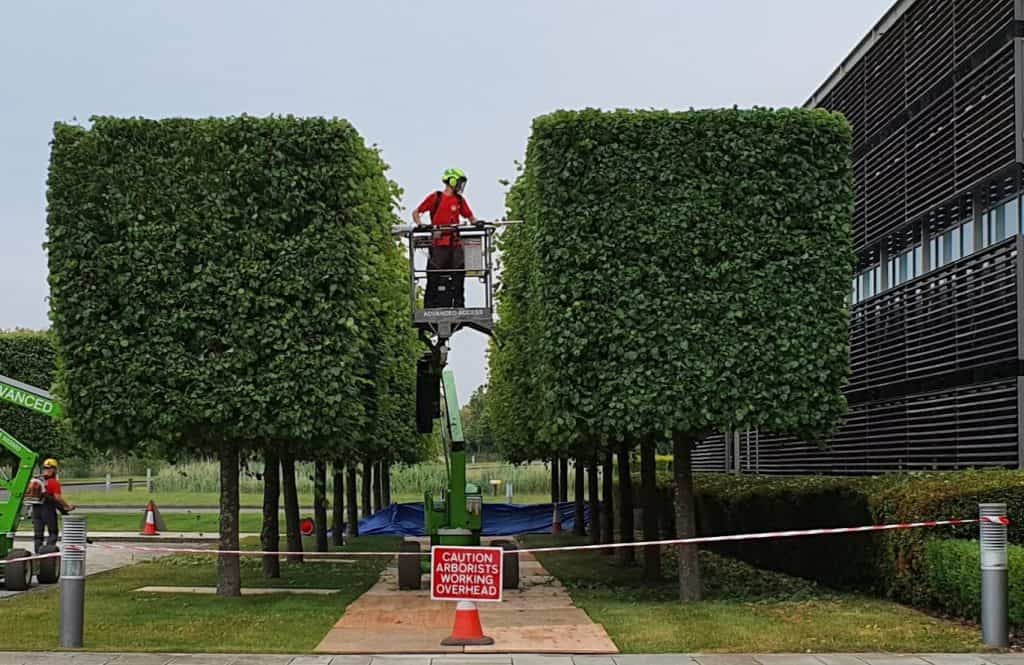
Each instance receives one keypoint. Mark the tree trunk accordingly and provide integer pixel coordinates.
(367, 489)
(338, 509)
(579, 499)
(378, 487)
(291, 507)
(229, 570)
(563, 479)
(595, 503)
(555, 494)
(270, 534)
(649, 501)
(320, 504)
(352, 499)
(627, 555)
(690, 587)
(608, 508)
(386, 483)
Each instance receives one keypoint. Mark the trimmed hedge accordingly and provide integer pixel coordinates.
(687, 271)
(892, 563)
(212, 280)
(952, 579)
(30, 357)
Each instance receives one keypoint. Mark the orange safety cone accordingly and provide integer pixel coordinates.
(150, 528)
(556, 521)
(467, 630)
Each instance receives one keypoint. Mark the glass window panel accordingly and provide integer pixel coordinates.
(1000, 224)
(933, 253)
(985, 229)
(968, 238)
(1012, 218)
(948, 250)
(918, 264)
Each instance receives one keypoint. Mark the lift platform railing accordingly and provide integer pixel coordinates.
(477, 243)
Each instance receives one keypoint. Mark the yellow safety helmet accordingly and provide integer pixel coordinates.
(49, 462)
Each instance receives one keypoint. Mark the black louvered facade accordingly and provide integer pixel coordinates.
(935, 98)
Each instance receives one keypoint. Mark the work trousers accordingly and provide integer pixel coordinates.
(44, 518)
(446, 289)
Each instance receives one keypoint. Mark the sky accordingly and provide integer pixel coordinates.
(433, 84)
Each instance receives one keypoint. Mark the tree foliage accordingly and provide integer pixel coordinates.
(210, 278)
(678, 272)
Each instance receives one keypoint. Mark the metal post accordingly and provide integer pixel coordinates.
(994, 616)
(108, 483)
(72, 582)
(508, 493)
(149, 480)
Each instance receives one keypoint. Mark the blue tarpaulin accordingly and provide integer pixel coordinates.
(500, 519)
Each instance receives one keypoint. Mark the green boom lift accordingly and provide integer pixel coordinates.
(455, 517)
(18, 575)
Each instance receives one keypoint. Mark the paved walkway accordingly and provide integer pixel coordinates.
(537, 617)
(78, 658)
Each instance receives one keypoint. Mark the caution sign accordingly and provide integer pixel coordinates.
(466, 573)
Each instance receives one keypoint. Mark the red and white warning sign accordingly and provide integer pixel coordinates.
(466, 573)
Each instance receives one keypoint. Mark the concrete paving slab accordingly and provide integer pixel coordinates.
(891, 659)
(400, 660)
(351, 660)
(210, 591)
(788, 659)
(1006, 659)
(141, 659)
(654, 659)
(954, 659)
(725, 659)
(471, 659)
(311, 660)
(539, 659)
(263, 660)
(592, 660)
(202, 659)
(839, 659)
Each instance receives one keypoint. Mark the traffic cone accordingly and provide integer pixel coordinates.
(556, 521)
(467, 630)
(150, 528)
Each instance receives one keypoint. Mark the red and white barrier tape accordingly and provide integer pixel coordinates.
(1004, 521)
(34, 557)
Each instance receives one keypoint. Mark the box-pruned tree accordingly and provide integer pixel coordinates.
(688, 274)
(210, 282)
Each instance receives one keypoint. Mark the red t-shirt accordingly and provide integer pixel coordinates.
(53, 486)
(448, 212)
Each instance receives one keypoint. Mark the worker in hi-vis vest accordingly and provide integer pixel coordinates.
(46, 497)
(446, 289)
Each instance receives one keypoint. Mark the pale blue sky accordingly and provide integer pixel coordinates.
(433, 83)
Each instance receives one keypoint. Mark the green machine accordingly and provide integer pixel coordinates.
(18, 575)
(455, 515)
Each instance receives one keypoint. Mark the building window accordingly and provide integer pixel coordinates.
(952, 245)
(1000, 223)
(905, 267)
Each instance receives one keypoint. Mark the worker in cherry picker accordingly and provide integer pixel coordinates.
(46, 497)
(446, 289)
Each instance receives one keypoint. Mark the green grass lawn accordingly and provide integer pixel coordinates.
(119, 619)
(746, 610)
